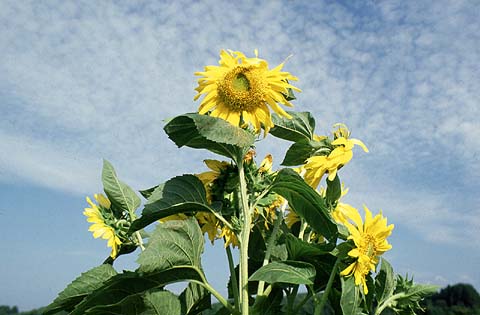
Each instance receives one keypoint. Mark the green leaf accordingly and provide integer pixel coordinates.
(119, 193)
(299, 152)
(306, 202)
(269, 305)
(300, 250)
(384, 282)
(173, 243)
(334, 190)
(301, 126)
(76, 291)
(128, 286)
(294, 272)
(194, 299)
(146, 193)
(351, 297)
(211, 133)
(162, 303)
(179, 194)
(154, 302)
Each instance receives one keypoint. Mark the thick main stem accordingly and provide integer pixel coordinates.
(244, 239)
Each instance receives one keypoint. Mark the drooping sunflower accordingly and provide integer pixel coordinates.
(241, 89)
(317, 166)
(100, 226)
(370, 239)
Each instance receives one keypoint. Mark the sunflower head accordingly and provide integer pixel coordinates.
(103, 222)
(370, 239)
(241, 90)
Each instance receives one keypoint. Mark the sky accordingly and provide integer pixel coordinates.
(82, 81)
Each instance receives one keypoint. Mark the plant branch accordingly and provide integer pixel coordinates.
(270, 244)
(233, 276)
(319, 307)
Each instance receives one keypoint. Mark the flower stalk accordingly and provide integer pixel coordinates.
(244, 240)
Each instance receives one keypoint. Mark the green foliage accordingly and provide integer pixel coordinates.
(351, 297)
(206, 132)
(173, 243)
(306, 202)
(300, 127)
(178, 195)
(240, 202)
(294, 272)
(76, 291)
(119, 193)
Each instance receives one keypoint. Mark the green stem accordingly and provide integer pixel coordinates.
(302, 229)
(233, 276)
(300, 305)
(218, 296)
(270, 244)
(244, 239)
(387, 302)
(319, 307)
(140, 240)
(214, 292)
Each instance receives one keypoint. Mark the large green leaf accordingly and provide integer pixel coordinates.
(162, 303)
(194, 299)
(177, 242)
(179, 194)
(154, 302)
(300, 250)
(299, 152)
(334, 190)
(294, 272)
(351, 297)
(211, 133)
(76, 291)
(384, 282)
(306, 202)
(128, 287)
(301, 126)
(119, 193)
(269, 305)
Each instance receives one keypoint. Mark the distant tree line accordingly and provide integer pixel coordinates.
(458, 299)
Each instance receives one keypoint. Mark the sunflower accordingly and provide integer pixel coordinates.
(370, 239)
(317, 166)
(240, 90)
(97, 215)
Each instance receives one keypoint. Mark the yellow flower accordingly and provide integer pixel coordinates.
(208, 177)
(209, 224)
(342, 211)
(266, 165)
(230, 237)
(370, 240)
(317, 166)
(240, 89)
(99, 226)
(291, 218)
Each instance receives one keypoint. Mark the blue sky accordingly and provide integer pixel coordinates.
(84, 81)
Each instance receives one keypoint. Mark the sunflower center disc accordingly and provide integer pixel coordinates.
(240, 83)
